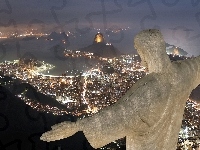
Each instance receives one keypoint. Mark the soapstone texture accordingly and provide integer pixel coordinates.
(151, 111)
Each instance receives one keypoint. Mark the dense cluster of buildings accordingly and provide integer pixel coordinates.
(189, 135)
(86, 93)
(24, 69)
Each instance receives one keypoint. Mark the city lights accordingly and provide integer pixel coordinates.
(84, 93)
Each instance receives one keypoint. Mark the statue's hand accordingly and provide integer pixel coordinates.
(60, 131)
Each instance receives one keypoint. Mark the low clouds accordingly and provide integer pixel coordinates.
(80, 16)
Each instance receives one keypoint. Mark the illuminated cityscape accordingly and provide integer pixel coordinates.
(67, 60)
(92, 90)
(84, 93)
(34, 32)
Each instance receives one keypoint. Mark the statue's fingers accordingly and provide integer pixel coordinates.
(60, 131)
(52, 135)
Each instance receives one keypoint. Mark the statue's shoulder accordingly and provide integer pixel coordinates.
(142, 83)
(153, 81)
(149, 79)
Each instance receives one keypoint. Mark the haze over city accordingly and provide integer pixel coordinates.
(178, 20)
(68, 59)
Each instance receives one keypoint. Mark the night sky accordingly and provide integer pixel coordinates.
(179, 21)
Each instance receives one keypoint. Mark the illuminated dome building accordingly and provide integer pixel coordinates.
(98, 38)
(176, 51)
(100, 48)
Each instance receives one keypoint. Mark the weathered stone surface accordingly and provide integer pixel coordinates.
(150, 113)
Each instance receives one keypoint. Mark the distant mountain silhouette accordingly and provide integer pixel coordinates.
(172, 49)
(59, 42)
(176, 57)
(102, 50)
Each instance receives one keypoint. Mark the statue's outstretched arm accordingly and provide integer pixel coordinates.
(131, 113)
(190, 68)
(102, 128)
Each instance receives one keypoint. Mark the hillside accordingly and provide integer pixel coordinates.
(21, 126)
(102, 50)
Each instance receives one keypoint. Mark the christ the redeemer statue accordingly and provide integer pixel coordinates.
(151, 112)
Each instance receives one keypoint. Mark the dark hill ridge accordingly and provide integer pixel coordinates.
(17, 87)
(172, 48)
(98, 48)
(195, 94)
(176, 57)
(21, 126)
(33, 94)
(102, 50)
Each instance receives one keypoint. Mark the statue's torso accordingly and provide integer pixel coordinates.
(161, 108)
